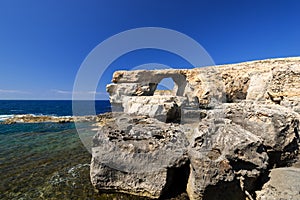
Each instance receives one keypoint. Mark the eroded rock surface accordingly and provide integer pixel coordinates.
(47, 118)
(138, 155)
(225, 161)
(276, 125)
(220, 129)
(284, 184)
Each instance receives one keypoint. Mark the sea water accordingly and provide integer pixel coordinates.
(46, 160)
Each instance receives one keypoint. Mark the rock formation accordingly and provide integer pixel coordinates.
(137, 154)
(216, 135)
(29, 118)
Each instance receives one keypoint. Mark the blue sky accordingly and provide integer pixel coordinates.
(44, 42)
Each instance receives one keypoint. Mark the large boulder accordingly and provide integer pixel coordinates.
(166, 108)
(139, 155)
(275, 125)
(225, 161)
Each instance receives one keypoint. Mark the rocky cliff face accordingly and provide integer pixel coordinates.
(216, 134)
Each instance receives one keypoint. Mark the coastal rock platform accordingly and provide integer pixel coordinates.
(29, 118)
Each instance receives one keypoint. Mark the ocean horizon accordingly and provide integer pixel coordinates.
(48, 107)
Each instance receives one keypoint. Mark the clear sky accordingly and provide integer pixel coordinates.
(44, 42)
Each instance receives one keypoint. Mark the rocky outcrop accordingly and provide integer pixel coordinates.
(235, 144)
(216, 134)
(223, 155)
(276, 125)
(47, 118)
(138, 155)
(270, 81)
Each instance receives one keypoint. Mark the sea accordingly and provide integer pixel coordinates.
(46, 160)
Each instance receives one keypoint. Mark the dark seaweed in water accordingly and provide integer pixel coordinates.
(48, 164)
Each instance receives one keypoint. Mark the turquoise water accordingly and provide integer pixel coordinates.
(32, 154)
(45, 160)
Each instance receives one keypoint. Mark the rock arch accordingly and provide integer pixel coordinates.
(179, 80)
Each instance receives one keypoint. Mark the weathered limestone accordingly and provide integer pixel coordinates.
(274, 81)
(223, 155)
(284, 184)
(47, 118)
(138, 155)
(165, 109)
(220, 129)
(276, 125)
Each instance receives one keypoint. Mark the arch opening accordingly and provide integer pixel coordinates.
(165, 87)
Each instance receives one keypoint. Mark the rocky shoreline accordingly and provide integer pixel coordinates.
(29, 118)
(225, 132)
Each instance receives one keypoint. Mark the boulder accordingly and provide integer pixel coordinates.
(225, 161)
(275, 125)
(139, 155)
(284, 184)
(165, 108)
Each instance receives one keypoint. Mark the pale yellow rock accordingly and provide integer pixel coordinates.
(274, 81)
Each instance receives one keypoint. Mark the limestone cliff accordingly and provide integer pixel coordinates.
(216, 134)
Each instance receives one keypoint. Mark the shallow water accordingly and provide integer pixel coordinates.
(45, 161)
